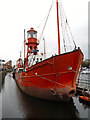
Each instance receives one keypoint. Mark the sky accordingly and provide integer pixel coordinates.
(17, 15)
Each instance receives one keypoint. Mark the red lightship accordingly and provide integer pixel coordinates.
(51, 78)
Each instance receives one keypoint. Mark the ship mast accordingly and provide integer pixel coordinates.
(58, 27)
(24, 44)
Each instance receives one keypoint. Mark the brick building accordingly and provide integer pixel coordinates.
(7, 65)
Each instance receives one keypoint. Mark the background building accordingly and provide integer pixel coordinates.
(7, 65)
(86, 63)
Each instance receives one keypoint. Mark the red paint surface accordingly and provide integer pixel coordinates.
(53, 73)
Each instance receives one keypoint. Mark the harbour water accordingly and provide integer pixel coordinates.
(16, 104)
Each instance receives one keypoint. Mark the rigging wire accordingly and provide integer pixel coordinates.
(72, 36)
(46, 21)
(62, 30)
(42, 21)
(68, 36)
(68, 25)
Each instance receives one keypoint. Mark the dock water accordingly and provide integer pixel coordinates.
(15, 104)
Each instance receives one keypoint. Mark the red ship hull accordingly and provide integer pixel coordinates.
(53, 78)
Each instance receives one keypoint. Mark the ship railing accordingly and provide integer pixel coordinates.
(34, 59)
(83, 83)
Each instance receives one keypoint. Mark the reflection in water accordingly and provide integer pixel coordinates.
(18, 105)
(37, 108)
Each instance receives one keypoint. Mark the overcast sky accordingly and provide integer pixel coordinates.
(17, 15)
